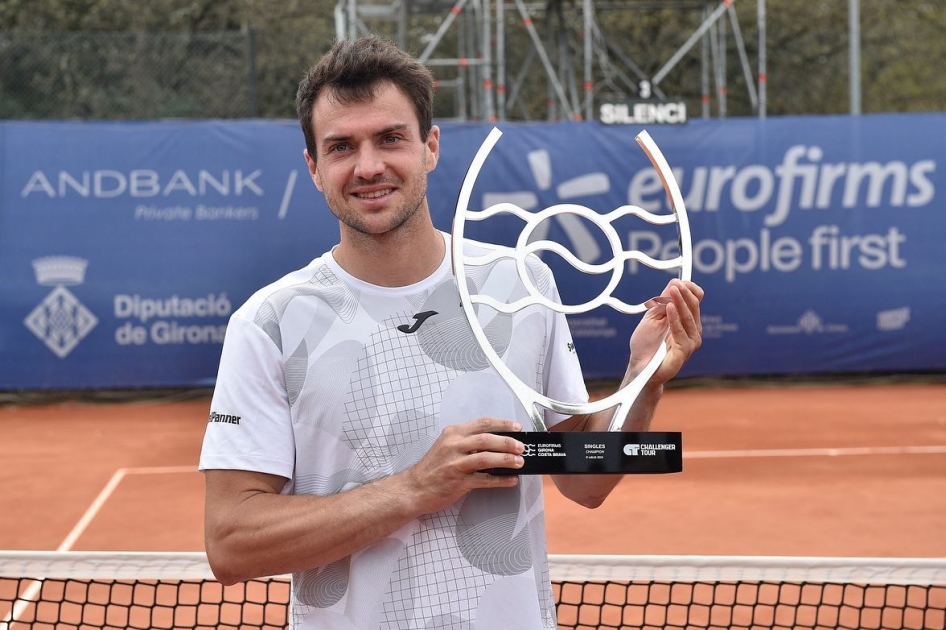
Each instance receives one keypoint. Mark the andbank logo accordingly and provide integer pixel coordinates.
(583, 243)
(61, 321)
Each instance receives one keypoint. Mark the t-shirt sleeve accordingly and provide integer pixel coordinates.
(563, 377)
(250, 426)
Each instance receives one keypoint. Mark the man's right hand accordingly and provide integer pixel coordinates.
(455, 463)
(253, 530)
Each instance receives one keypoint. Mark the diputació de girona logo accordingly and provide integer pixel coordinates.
(60, 321)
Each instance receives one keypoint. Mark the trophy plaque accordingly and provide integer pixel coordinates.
(600, 452)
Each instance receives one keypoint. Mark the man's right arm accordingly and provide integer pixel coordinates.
(253, 530)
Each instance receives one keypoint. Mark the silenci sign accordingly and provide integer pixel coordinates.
(643, 113)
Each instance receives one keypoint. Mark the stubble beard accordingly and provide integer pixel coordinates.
(353, 220)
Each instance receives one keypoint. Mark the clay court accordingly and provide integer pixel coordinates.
(826, 469)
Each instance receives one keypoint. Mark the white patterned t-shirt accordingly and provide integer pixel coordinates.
(332, 383)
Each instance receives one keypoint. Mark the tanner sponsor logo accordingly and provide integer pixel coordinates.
(224, 418)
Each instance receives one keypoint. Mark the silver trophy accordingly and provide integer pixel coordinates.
(610, 452)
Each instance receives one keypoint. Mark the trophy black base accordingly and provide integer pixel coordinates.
(606, 453)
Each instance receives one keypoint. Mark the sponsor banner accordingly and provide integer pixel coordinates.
(817, 239)
(124, 247)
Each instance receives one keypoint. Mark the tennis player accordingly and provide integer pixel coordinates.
(353, 410)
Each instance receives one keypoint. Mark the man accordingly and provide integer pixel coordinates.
(366, 413)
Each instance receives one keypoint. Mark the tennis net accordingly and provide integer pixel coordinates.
(109, 590)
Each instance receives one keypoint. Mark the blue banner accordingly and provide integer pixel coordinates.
(125, 247)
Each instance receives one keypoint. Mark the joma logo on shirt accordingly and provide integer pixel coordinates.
(419, 319)
(222, 417)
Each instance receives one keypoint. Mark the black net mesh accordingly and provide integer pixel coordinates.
(101, 592)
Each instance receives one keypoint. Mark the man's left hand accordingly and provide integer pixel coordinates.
(682, 316)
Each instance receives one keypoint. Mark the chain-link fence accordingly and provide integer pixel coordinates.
(133, 76)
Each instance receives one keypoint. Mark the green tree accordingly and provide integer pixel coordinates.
(244, 58)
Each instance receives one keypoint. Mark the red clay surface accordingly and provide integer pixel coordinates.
(758, 478)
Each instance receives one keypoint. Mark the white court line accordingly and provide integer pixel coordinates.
(33, 590)
(818, 452)
(106, 493)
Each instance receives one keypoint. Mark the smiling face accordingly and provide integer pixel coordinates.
(371, 162)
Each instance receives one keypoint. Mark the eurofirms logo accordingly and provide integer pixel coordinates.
(583, 242)
(60, 321)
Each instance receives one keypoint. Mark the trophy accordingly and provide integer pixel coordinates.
(581, 452)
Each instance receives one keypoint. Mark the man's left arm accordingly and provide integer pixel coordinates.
(681, 317)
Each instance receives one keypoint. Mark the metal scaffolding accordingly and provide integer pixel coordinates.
(466, 41)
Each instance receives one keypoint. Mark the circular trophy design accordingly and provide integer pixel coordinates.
(530, 399)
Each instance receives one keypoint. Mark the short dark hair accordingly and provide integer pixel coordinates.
(353, 70)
